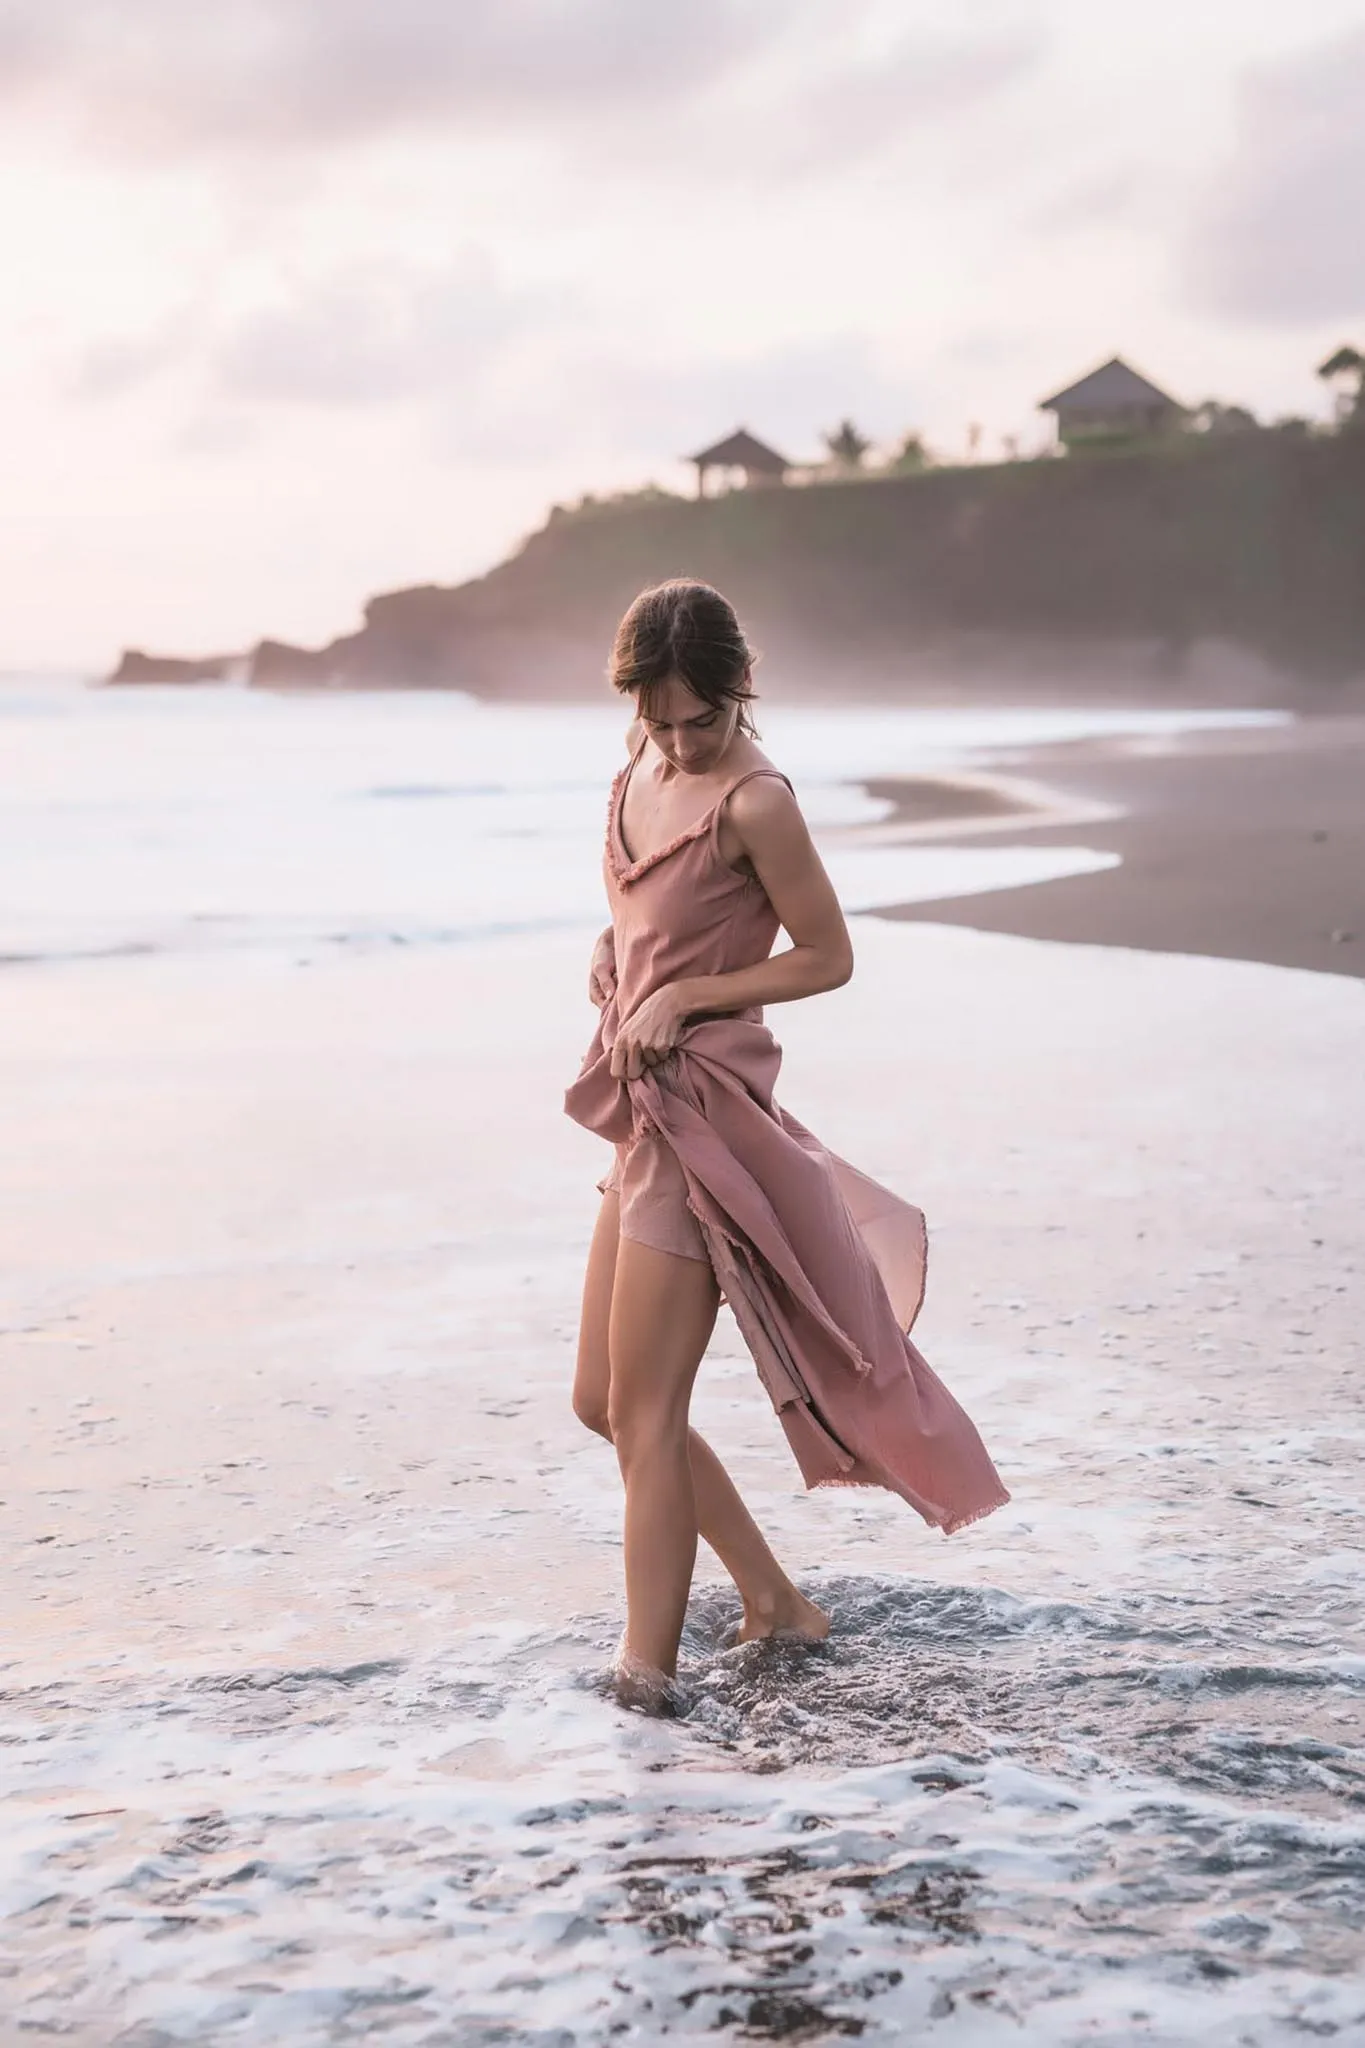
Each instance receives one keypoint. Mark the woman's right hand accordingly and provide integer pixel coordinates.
(602, 970)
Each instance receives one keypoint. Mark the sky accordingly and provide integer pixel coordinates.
(308, 299)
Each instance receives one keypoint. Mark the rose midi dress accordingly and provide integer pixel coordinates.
(823, 1269)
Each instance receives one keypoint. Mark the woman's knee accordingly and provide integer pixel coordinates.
(591, 1406)
(639, 1422)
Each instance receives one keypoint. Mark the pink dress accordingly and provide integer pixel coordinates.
(823, 1269)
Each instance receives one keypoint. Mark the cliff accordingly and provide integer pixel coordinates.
(1221, 566)
(137, 667)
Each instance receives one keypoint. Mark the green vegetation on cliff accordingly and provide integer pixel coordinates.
(1252, 541)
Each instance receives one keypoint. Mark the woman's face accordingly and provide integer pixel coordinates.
(690, 733)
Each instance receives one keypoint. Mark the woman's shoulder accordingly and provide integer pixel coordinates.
(757, 778)
(760, 792)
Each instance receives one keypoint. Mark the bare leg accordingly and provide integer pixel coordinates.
(662, 1312)
(771, 1602)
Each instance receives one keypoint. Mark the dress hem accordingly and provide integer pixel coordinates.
(949, 1527)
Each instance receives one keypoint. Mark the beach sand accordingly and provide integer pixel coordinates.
(306, 1569)
(275, 1237)
(294, 1259)
(1246, 845)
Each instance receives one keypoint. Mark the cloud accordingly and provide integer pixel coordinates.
(218, 434)
(654, 412)
(988, 348)
(786, 394)
(160, 78)
(376, 334)
(855, 106)
(1278, 238)
(492, 371)
(1102, 200)
(115, 367)
(361, 338)
(496, 371)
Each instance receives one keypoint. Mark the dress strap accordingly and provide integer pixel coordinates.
(749, 775)
(738, 783)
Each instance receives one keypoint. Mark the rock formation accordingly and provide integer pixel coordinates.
(1215, 568)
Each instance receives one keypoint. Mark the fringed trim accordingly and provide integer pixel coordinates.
(842, 1479)
(949, 1528)
(707, 823)
(913, 1317)
(634, 869)
(976, 1515)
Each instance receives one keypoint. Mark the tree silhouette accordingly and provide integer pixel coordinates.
(1347, 362)
(1213, 417)
(912, 453)
(847, 445)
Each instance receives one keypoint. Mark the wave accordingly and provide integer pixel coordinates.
(953, 1812)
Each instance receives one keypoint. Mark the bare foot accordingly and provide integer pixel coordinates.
(791, 1614)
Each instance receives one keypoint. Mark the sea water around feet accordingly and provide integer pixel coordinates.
(1095, 1771)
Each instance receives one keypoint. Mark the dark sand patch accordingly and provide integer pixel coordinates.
(1246, 844)
(935, 800)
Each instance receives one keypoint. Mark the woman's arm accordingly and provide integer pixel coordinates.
(772, 834)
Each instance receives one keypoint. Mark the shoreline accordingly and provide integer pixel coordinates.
(1244, 844)
(309, 1571)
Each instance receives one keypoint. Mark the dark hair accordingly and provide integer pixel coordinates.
(685, 629)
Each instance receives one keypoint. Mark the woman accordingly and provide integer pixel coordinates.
(714, 1189)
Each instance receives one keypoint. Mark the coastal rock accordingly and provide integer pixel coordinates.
(275, 664)
(1228, 572)
(137, 667)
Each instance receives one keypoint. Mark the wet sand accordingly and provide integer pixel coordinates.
(309, 1578)
(295, 1257)
(306, 1570)
(1246, 845)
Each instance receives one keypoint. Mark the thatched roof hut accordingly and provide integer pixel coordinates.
(743, 451)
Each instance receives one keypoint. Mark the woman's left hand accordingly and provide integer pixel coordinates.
(649, 1034)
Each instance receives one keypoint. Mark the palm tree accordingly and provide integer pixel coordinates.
(1347, 362)
(847, 445)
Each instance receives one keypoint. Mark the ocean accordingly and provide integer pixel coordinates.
(157, 820)
(309, 1582)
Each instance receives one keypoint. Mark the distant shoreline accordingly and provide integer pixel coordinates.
(1244, 844)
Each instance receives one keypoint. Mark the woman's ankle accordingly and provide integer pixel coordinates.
(765, 1603)
(644, 1686)
(784, 1612)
